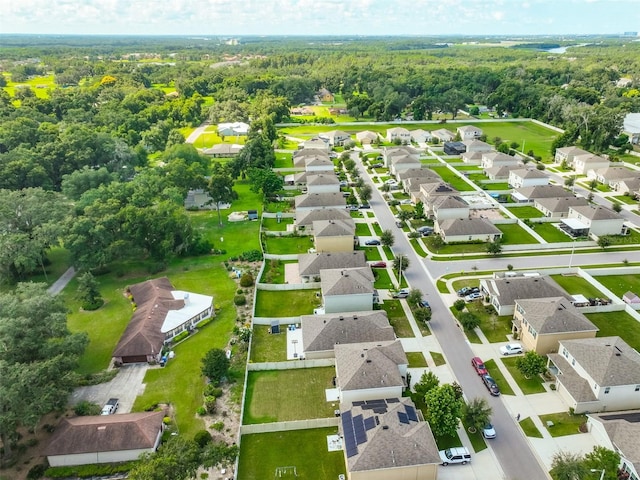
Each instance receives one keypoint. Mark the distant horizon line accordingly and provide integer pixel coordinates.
(629, 34)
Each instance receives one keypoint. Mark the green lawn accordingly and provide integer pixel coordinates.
(288, 245)
(632, 239)
(550, 232)
(529, 428)
(514, 234)
(276, 396)
(273, 224)
(452, 178)
(388, 253)
(233, 237)
(535, 137)
(621, 284)
(563, 423)
(283, 160)
(261, 454)
(495, 328)
(625, 199)
(417, 246)
(438, 358)
(455, 248)
(495, 186)
(286, 303)
(416, 360)
(383, 279)
(505, 388)
(372, 253)
(477, 440)
(363, 230)
(376, 228)
(575, 284)
(266, 347)
(274, 271)
(527, 385)
(617, 323)
(525, 212)
(397, 319)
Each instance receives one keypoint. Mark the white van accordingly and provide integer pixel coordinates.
(455, 455)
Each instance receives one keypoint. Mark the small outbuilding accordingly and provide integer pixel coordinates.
(275, 327)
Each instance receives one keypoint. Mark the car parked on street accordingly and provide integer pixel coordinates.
(424, 304)
(373, 241)
(491, 385)
(365, 206)
(478, 365)
(488, 431)
(454, 455)
(473, 296)
(378, 265)
(110, 407)
(402, 293)
(511, 349)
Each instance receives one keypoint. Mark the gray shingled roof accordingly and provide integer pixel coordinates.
(596, 212)
(529, 173)
(499, 157)
(542, 191)
(310, 264)
(346, 281)
(391, 443)
(440, 188)
(610, 361)
(508, 290)
(468, 226)
(310, 152)
(307, 217)
(501, 171)
(418, 173)
(577, 386)
(554, 315)
(322, 332)
(334, 228)
(405, 149)
(320, 200)
(573, 150)
(413, 183)
(397, 159)
(616, 173)
(448, 201)
(623, 429)
(361, 366)
(561, 204)
(328, 178)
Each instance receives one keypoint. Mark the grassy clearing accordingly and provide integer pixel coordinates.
(617, 323)
(284, 160)
(526, 212)
(535, 137)
(514, 234)
(550, 232)
(495, 328)
(266, 347)
(276, 396)
(288, 245)
(398, 319)
(262, 453)
(505, 388)
(575, 284)
(438, 358)
(272, 224)
(529, 428)
(286, 303)
(416, 360)
(625, 199)
(496, 186)
(563, 423)
(233, 237)
(527, 385)
(621, 284)
(363, 230)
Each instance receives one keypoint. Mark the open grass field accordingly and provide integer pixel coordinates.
(234, 237)
(286, 303)
(452, 178)
(276, 396)
(550, 232)
(40, 86)
(398, 319)
(514, 234)
(525, 212)
(617, 323)
(563, 423)
(621, 284)
(534, 137)
(262, 453)
(527, 385)
(284, 160)
(574, 285)
(288, 245)
(505, 388)
(266, 347)
(495, 328)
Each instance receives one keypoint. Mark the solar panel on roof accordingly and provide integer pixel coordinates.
(403, 417)
(380, 410)
(352, 452)
(358, 428)
(392, 400)
(369, 423)
(358, 403)
(377, 420)
(411, 413)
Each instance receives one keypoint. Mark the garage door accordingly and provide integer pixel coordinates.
(135, 359)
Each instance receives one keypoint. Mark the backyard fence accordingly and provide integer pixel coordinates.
(281, 287)
(290, 425)
(292, 364)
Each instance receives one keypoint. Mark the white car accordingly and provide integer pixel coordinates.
(511, 349)
(473, 296)
(488, 431)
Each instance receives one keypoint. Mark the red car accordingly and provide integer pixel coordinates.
(379, 265)
(478, 364)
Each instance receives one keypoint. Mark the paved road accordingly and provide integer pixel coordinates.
(510, 447)
(193, 136)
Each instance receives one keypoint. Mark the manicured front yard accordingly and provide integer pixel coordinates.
(529, 428)
(527, 385)
(525, 212)
(261, 454)
(455, 248)
(495, 328)
(505, 388)
(383, 279)
(438, 358)
(514, 234)
(575, 284)
(397, 318)
(288, 245)
(617, 323)
(621, 284)
(417, 246)
(363, 230)
(372, 253)
(563, 423)
(416, 360)
(266, 347)
(276, 396)
(289, 303)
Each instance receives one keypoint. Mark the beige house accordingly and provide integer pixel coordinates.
(472, 158)
(501, 172)
(322, 183)
(304, 218)
(412, 185)
(541, 323)
(593, 220)
(388, 439)
(497, 159)
(627, 186)
(334, 235)
(558, 207)
(367, 137)
(467, 230)
(347, 289)
(620, 432)
(399, 133)
(314, 201)
(469, 132)
(315, 144)
(321, 333)
(399, 159)
(300, 155)
(531, 194)
(527, 177)
(335, 138)
(597, 374)
(325, 95)
(368, 371)
(477, 146)
(104, 438)
(443, 135)
(310, 264)
(421, 136)
(448, 206)
(567, 154)
(504, 291)
(583, 163)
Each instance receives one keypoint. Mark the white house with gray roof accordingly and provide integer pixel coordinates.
(310, 264)
(527, 177)
(620, 432)
(593, 220)
(558, 207)
(312, 201)
(315, 144)
(530, 194)
(398, 133)
(477, 146)
(567, 154)
(467, 230)
(501, 172)
(443, 135)
(347, 289)
(326, 182)
(321, 333)
(597, 374)
(583, 163)
(610, 175)
(503, 292)
(335, 137)
(446, 207)
(469, 132)
(496, 159)
(304, 218)
(631, 126)
(421, 136)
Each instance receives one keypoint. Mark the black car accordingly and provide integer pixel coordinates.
(491, 385)
(373, 241)
(424, 304)
(464, 291)
(365, 206)
(377, 165)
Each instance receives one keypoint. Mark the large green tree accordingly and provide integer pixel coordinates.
(178, 459)
(220, 189)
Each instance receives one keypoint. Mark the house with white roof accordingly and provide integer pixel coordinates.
(233, 129)
(631, 126)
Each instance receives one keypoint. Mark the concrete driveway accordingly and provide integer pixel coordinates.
(126, 386)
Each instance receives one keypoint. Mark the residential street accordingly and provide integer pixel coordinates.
(511, 448)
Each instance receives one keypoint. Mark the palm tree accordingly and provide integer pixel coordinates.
(476, 414)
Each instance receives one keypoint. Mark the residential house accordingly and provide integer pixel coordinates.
(454, 148)
(367, 137)
(445, 207)
(593, 220)
(610, 175)
(322, 182)
(432, 189)
(304, 218)
(95, 439)
(567, 154)
(501, 172)
(335, 138)
(475, 145)
(306, 111)
(503, 292)
(472, 158)
(233, 129)
(558, 207)
(398, 133)
(417, 172)
(334, 235)
(310, 264)
(398, 159)
(314, 163)
(315, 144)
(527, 177)
(531, 194)
(411, 185)
(620, 432)
(467, 230)
(469, 132)
(387, 439)
(223, 150)
(421, 136)
(627, 186)
(300, 155)
(443, 135)
(541, 323)
(583, 163)
(372, 370)
(631, 127)
(313, 201)
(347, 289)
(321, 333)
(631, 298)
(325, 96)
(161, 313)
(597, 374)
(496, 159)
(199, 199)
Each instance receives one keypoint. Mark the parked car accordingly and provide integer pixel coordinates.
(399, 224)
(353, 208)
(424, 304)
(464, 291)
(491, 385)
(110, 407)
(511, 349)
(406, 201)
(488, 431)
(365, 206)
(378, 265)
(425, 228)
(391, 181)
(346, 194)
(478, 364)
(373, 241)
(473, 296)
(377, 165)
(343, 183)
(402, 293)
(454, 455)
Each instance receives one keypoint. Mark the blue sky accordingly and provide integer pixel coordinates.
(320, 17)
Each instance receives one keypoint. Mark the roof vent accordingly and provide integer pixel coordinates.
(368, 360)
(385, 427)
(341, 317)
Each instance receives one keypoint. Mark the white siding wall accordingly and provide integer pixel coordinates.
(370, 394)
(323, 188)
(606, 227)
(348, 303)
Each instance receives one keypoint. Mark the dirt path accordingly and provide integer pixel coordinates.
(62, 282)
